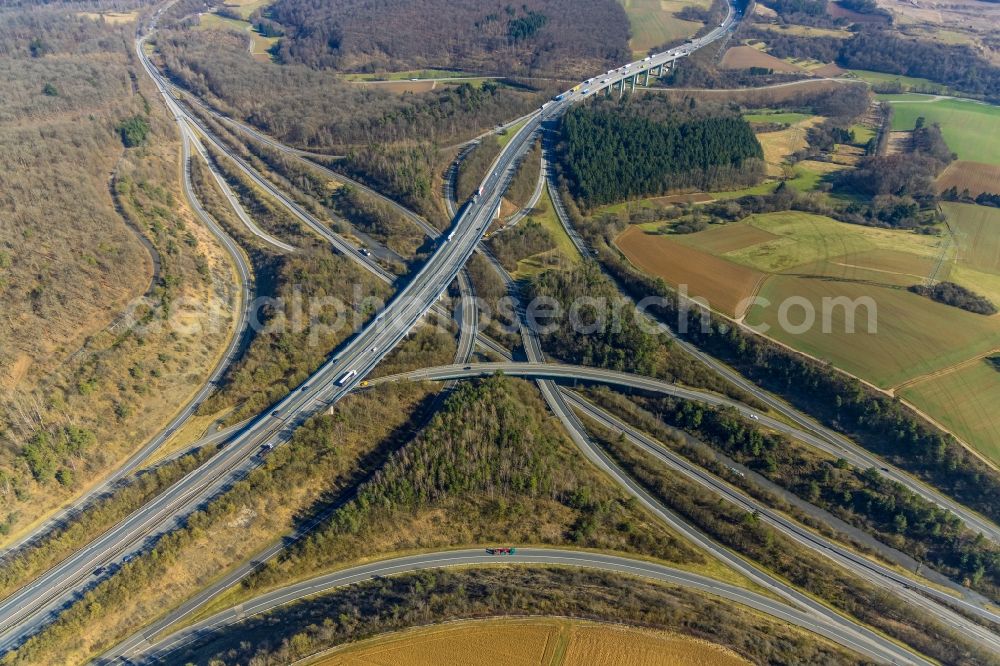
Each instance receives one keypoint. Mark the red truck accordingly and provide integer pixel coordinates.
(505, 550)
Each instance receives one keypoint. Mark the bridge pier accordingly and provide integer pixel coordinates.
(646, 82)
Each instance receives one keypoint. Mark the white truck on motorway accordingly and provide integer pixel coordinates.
(346, 377)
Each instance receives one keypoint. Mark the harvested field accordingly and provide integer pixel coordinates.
(535, 642)
(973, 176)
(727, 238)
(778, 146)
(836, 10)
(725, 285)
(766, 12)
(847, 155)
(114, 18)
(595, 644)
(822, 167)
(806, 31)
(899, 142)
(744, 57)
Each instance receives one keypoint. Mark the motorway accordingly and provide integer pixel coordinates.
(171, 647)
(536, 370)
(876, 573)
(822, 437)
(557, 402)
(230, 353)
(30, 608)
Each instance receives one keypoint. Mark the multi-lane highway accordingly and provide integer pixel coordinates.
(823, 437)
(171, 647)
(542, 370)
(30, 608)
(904, 586)
(25, 611)
(242, 313)
(571, 423)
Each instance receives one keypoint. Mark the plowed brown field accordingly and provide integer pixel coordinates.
(974, 176)
(724, 284)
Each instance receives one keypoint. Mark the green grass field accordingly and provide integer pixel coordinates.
(653, 22)
(259, 44)
(806, 31)
(912, 335)
(246, 7)
(971, 129)
(977, 229)
(801, 239)
(564, 251)
(811, 258)
(964, 401)
(804, 180)
(862, 134)
(906, 82)
(916, 343)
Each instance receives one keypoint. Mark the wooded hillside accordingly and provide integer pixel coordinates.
(319, 109)
(532, 36)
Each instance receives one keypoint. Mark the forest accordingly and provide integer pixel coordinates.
(956, 295)
(862, 497)
(529, 37)
(614, 151)
(881, 49)
(907, 174)
(396, 602)
(318, 109)
(957, 66)
(489, 457)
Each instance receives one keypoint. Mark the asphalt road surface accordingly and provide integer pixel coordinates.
(172, 648)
